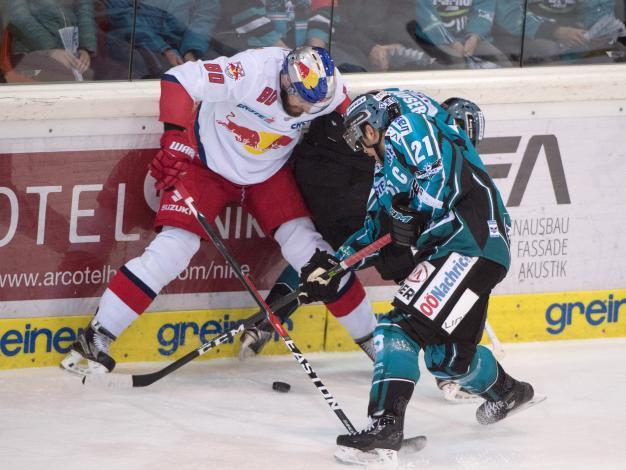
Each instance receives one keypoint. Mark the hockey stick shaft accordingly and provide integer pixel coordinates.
(143, 380)
(360, 255)
(182, 192)
(498, 350)
(337, 270)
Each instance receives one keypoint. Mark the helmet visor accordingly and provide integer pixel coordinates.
(354, 132)
(353, 136)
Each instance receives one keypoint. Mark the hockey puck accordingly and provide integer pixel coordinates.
(282, 387)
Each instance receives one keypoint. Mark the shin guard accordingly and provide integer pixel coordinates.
(396, 370)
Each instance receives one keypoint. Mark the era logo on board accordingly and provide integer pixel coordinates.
(536, 144)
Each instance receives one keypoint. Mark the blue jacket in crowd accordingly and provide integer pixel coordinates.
(442, 22)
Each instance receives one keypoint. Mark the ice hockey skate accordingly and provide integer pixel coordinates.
(454, 393)
(90, 352)
(520, 397)
(377, 445)
(253, 340)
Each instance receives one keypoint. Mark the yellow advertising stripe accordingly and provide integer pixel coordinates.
(38, 342)
(533, 317)
(566, 315)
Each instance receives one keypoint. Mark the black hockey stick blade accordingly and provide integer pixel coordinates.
(114, 380)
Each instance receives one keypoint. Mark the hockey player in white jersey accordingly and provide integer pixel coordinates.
(230, 125)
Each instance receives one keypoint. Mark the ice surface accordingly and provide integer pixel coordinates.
(223, 414)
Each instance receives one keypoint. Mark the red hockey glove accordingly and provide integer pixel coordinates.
(172, 161)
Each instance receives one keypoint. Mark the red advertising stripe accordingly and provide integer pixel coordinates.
(68, 220)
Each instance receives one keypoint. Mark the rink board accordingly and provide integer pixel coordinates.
(37, 342)
(536, 317)
(76, 203)
(76, 200)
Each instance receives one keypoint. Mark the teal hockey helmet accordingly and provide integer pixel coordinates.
(468, 115)
(376, 108)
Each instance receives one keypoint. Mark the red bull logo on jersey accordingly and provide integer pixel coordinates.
(234, 70)
(256, 142)
(308, 76)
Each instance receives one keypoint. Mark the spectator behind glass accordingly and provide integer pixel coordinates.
(511, 23)
(362, 42)
(458, 32)
(50, 40)
(301, 22)
(246, 24)
(167, 33)
(575, 30)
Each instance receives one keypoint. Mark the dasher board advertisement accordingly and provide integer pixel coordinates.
(73, 211)
(562, 182)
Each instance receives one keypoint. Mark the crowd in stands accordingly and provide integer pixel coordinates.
(75, 40)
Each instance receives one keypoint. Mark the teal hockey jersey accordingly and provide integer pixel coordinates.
(432, 160)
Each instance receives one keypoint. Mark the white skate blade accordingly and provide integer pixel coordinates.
(538, 398)
(114, 381)
(411, 445)
(377, 459)
(75, 363)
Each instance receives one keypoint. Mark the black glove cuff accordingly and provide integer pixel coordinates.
(312, 291)
(406, 224)
(394, 263)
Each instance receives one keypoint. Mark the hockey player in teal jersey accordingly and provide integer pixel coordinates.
(432, 184)
(428, 165)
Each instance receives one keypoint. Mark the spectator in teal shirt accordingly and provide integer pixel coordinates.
(282, 23)
(559, 30)
(459, 31)
(166, 33)
(37, 49)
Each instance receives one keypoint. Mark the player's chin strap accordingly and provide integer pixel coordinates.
(182, 193)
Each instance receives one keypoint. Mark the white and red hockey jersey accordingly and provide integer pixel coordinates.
(242, 131)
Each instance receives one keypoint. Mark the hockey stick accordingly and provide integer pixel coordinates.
(342, 267)
(143, 380)
(182, 193)
(498, 350)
